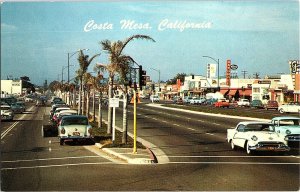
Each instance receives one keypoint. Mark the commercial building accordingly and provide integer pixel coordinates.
(11, 87)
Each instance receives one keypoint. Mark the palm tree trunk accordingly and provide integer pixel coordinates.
(125, 119)
(79, 100)
(94, 106)
(74, 97)
(87, 112)
(109, 115)
(100, 111)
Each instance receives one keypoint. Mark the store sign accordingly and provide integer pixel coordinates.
(211, 70)
(228, 72)
(234, 67)
(294, 66)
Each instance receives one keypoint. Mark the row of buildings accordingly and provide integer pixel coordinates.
(279, 88)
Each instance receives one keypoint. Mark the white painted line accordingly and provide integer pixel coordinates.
(216, 124)
(200, 120)
(4, 133)
(61, 165)
(235, 163)
(191, 129)
(176, 124)
(8, 130)
(50, 159)
(195, 156)
(209, 134)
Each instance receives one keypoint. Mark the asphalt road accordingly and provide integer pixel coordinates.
(196, 155)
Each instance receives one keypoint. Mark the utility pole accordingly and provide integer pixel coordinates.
(244, 73)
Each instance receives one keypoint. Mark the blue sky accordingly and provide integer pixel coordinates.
(258, 36)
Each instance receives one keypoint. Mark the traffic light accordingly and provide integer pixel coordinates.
(142, 77)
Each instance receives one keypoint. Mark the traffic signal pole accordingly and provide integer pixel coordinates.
(134, 121)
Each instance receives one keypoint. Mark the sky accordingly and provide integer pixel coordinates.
(257, 36)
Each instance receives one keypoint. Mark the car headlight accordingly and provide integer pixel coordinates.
(254, 138)
(288, 132)
(286, 138)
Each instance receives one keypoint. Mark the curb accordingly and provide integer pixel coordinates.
(129, 160)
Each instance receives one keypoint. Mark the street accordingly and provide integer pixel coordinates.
(196, 156)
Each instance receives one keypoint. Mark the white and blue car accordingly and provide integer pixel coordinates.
(74, 127)
(289, 127)
(256, 136)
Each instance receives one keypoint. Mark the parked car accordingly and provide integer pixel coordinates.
(257, 104)
(271, 105)
(18, 107)
(57, 111)
(197, 100)
(62, 114)
(74, 127)
(222, 103)
(256, 136)
(289, 127)
(40, 102)
(154, 98)
(7, 113)
(292, 107)
(187, 99)
(210, 101)
(29, 99)
(243, 103)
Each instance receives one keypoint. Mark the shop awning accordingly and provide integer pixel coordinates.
(232, 92)
(245, 93)
(224, 91)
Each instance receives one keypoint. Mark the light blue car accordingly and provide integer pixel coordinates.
(289, 127)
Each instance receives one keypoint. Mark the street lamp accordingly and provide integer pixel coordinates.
(157, 70)
(62, 73)
(69, 56)
(218, 69)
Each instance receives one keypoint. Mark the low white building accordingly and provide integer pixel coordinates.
(11, 87)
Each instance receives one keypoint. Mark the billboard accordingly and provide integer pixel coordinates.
(211, 70)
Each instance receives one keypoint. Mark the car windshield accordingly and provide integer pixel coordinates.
(75, 121)
(259, 127)
(290, 122)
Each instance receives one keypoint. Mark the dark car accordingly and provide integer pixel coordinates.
(257, 104)
(271, 105)
(18, 107)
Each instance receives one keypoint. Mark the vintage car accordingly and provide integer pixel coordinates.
(289, 108)
(62, 114)
(222, 103)
(256, 136)
(74, 127)
(243, 103)
(7, 113)
(197, 100)
(18, 107)
(289, 127)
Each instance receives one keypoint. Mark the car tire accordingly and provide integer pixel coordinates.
(281, 111)
(249, 152)
(61, 142)
(233, 147)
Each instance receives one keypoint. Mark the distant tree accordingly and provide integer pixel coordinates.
(25, 78)
(174, 79)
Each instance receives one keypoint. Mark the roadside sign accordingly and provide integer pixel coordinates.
(234, 67)
(114, 102)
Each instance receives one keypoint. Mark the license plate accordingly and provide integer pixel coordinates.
(271, 148)
(76, 134)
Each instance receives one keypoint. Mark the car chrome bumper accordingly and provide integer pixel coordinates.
(269, 148)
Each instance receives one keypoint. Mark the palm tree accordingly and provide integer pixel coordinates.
(84, 63)
(118, 63)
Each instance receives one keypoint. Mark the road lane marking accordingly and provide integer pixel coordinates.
(176, 125)
(4, 133)
(216, 124)
(191, 129)
(60, 165)
(8, 130)
(209, 134)
(224, 156)
(50, 159)
(235, 163)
